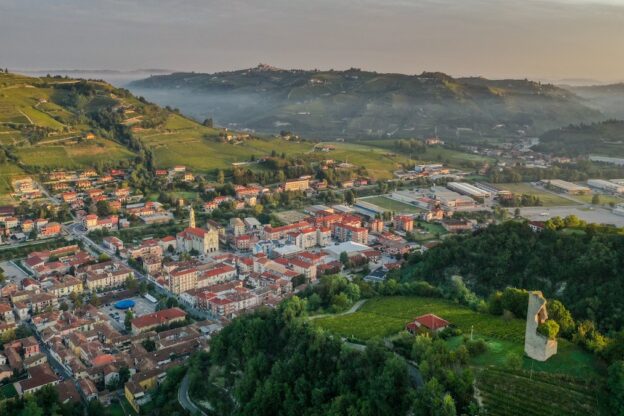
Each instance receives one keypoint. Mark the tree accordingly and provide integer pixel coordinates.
(431, 400)
(344, 258)
(142, 287)
(131, 283)
(550, 329)
(95, 300)
(96, 408)
(220, 177)
(558, 313)
(76, 299)
(103, 209)
(31, 408)
(128, 320)
(595, 199)
(349, 197)
(149, 345)
(513, 361)
(124, 375)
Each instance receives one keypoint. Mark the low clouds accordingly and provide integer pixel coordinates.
(496, 38)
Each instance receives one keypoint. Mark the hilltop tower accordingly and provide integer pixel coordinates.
(192, 218)
(536, 345)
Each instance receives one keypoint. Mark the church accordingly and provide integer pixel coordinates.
(202, 240)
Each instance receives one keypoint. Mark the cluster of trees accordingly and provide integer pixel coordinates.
(274, 362)
(524, 200)
(333, 293)
(575, 172)
(580, 269)
(45, 402)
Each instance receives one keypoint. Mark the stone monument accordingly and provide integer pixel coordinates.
(536, 345)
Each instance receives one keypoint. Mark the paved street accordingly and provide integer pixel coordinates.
(185, 400)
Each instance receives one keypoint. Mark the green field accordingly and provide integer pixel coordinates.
(8, 171)
(388, 316)
(74, 156)
(604, 199)
(391, 205)
(548, 199)
(509, 393)
(567, 384)
(451, 158)
(380, 163)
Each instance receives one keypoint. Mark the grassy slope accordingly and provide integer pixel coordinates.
(30, 102)
(383, 317)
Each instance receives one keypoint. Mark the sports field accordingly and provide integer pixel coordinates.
(391, 205)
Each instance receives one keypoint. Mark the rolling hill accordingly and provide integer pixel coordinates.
(604, 139)
(356, 103)
(608, 99)
(57, 122)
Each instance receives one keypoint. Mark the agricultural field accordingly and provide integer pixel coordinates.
(74, 156)
(380, 163)
(548, 199)
(508, 393)
(390, 314)
(391, 205)
(452, 158)
(8, 171)
(387, 316)
(568, 383)
(183, 141)
(604, 199)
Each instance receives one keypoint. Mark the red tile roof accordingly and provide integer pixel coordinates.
(431, 321)
(158, 318)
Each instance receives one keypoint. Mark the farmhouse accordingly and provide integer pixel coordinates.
(428, 322)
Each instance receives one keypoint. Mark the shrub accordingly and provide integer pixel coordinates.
(550, 329)
(476, 347)
(513, 361)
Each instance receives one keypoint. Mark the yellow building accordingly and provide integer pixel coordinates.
(137, 388)
(297, 185)
(66, 287)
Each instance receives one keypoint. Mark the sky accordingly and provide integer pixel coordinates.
(537, 39)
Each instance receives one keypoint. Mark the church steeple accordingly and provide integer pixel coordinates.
(192, 218)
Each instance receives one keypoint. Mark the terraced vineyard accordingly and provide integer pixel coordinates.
(508, 393)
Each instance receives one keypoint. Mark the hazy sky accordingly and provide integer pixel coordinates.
(546, 39)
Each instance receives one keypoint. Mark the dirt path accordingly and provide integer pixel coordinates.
(356, 306)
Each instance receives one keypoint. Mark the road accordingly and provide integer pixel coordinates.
(356, 306)
(95, 249)
(185, 400)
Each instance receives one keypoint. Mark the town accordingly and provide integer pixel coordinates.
(102, 316)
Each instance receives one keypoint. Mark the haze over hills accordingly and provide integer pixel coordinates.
(608, 99)
(115, 77)
(356, 103)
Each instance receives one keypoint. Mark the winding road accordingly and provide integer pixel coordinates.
(185, 400)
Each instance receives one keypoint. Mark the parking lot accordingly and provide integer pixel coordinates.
(12, 272)
(116, 316)
(597, 215)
